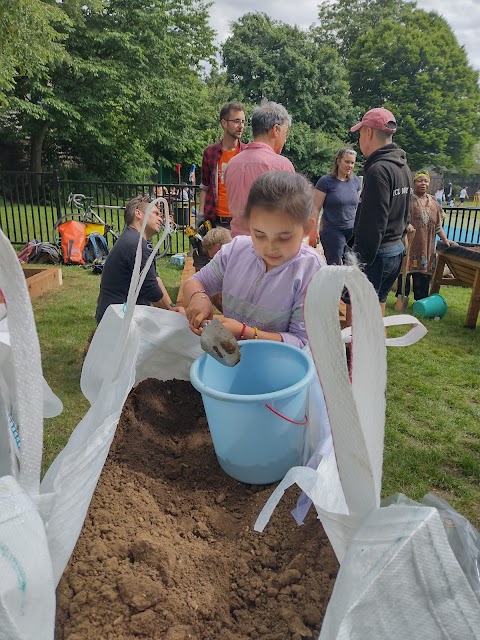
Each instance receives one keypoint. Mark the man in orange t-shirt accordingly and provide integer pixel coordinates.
(213, 195)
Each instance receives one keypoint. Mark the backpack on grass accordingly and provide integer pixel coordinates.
(96, 248)
(44, 253)
(26, 251)
(72, 234)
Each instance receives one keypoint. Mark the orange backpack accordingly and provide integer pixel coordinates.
(73, 241)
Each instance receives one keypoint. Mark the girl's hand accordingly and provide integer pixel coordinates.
(233, 325)
(199, 309)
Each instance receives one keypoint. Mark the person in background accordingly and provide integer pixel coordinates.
(270, 125)
(426, 217)
(382, 213)
(450, 194)
(214, 240)
(440, 196)
(213, 204)
(262, 277)
(463, 194)
(118, 268)
(337, 192)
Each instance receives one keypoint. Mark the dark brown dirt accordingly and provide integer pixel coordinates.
(168, 549)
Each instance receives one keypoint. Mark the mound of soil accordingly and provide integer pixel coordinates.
(168, 549)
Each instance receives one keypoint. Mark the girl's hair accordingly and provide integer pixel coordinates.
(217, 235)
(282, 191)
(339, 156)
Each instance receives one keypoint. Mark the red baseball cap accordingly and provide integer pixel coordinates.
(379, 118)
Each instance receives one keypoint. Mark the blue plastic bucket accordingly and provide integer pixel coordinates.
(431, 307)
(256, 411)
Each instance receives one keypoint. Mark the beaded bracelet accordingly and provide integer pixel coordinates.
(244, 328)
(255, 333)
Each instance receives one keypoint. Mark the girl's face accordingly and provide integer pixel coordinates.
(276, 237)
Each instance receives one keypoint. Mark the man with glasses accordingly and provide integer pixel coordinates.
(213, 196)
(270, 125)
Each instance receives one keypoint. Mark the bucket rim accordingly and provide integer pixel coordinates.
(259, 397)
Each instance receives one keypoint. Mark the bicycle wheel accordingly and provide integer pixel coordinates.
(166, 247)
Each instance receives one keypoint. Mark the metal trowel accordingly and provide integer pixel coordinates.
(219, 342)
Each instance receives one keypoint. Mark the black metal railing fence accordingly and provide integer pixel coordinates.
(31, 204)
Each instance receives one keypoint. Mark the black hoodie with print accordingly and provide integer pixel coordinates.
(383, 210)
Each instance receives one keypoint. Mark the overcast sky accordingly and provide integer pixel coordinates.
(463, 17)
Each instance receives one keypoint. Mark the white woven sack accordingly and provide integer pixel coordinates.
(108, 376)
(398, 575)
(27, 597)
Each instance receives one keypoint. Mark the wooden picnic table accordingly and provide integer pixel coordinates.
(463, 260)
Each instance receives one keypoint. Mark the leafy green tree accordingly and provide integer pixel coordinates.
(30, 39)
(265, 58)
(342, 22)
(125, 97)
(419, 71)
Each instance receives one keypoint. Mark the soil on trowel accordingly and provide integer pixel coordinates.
(168, 548)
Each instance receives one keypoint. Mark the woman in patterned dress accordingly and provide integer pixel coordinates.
(426, 217)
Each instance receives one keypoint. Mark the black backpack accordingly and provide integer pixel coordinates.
(96, 248)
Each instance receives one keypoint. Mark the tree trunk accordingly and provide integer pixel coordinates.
(36, 147)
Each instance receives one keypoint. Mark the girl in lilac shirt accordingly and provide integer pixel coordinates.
(263, 277)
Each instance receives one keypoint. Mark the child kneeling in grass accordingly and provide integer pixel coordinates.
(262, 277)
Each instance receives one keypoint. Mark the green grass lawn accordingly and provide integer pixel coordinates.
(433, 403)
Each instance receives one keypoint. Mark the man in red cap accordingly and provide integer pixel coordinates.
(382, 214)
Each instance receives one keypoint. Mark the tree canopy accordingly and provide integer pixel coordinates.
(120, 99)
(342, 22)
(265, 58)
(113, 88)
(417, 69)
(30, 39)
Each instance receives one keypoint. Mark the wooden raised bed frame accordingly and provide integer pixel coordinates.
(42, 279)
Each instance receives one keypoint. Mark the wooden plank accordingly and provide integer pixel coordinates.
(462, 272)
(474, 306)
(188, 270)
(438, 275)
(453, 282)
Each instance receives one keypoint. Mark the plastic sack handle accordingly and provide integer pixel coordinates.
(413, 335)
(27, 367)
(280, 415)
(357, 410)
